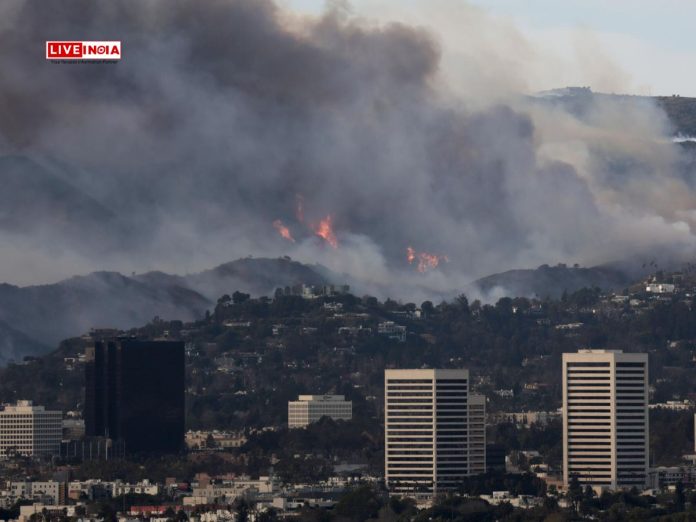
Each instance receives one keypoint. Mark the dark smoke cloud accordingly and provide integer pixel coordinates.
(221, 112)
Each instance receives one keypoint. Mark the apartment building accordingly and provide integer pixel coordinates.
(605, 418)
(434, 431)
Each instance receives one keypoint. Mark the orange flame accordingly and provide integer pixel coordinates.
(283, 230)
(325, 231)
(426, 261)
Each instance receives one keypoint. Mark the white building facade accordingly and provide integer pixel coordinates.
(477, 434)
(310, 408)
(605, 418)
(434, 431)
(30, 430)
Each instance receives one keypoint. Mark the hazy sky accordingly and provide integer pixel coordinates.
(651, 43)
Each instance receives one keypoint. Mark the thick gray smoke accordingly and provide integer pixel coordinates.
(222, 115)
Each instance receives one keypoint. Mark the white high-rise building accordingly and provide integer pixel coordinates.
(605, 418)
(310, 408)
(30, 430)
(477, 434)
(434, 431)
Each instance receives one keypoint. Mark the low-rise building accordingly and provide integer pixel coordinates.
(215, 439)
(310, 408)
(392, 330)
(665, 476)
(673, 405)
(525, 418)
(660, 288)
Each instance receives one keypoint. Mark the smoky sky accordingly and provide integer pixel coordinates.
(222, 115)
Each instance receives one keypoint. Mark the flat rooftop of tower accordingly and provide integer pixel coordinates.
(591, 350)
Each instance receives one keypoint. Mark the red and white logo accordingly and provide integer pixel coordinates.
(64, 50)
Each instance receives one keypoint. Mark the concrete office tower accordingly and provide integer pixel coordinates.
(434, 432)
(605, 418)
(310, 408)
(477, 434)
(30, 430)
(134, 392)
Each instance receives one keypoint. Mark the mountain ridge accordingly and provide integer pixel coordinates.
(43, 315)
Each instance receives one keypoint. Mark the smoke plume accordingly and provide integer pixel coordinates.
(232, 127)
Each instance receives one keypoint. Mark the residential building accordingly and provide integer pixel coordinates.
(392, 330)
(135, 393)
(664, 476)
(605, 418)
(525, 418)
(29, 430)
(310, 408)
(684, 405)
(660, 288)
(215, 439)
(434, 431)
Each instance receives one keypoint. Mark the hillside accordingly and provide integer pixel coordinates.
(680, 110)
(548, 281)
(15, 345)
(257, 276)
(41, 316)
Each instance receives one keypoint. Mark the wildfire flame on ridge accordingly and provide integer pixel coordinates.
(283, 230)
(425, 260)
(325, 231)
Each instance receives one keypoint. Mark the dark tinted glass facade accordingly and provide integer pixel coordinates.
(135, 393)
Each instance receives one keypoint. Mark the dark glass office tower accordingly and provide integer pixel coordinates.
(135, 392)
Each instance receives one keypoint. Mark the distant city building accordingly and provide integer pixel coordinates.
(605, 418)
(29, 430)
(392, 330)
(660, 288)
(665, 476)
(215, 439)
(434, 431)
(310, 408)
(673, 405)
(477, 434)
(73, 429)
(135, 393)
(525, 418)
(93, 448)
(313, 291)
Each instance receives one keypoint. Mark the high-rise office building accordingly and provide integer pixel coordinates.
(434, 431)
(605, 418)
(477, 434)
(135, 394)
(29, 430)
(310, 408)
